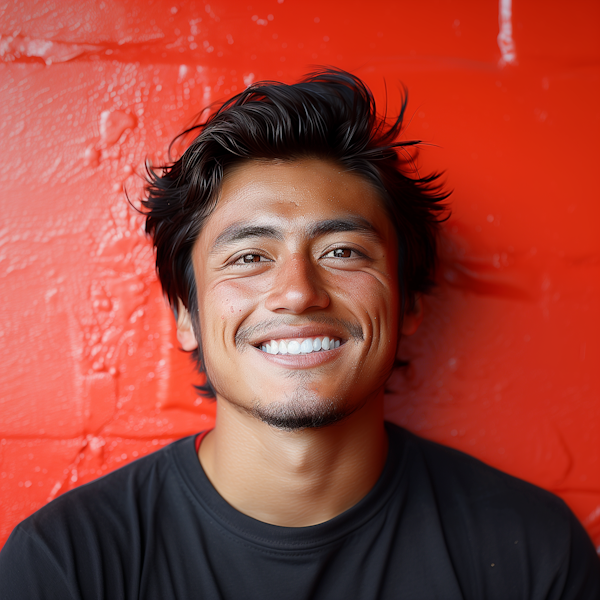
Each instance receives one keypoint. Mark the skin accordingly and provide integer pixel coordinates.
(270, 264)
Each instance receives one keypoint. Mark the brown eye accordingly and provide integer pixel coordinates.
(340, 253)
(250, 258)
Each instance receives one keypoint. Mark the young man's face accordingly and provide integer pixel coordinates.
(298, 297)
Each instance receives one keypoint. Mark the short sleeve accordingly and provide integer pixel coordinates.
(581, 571)
(27, 570)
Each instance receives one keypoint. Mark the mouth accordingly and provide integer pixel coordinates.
(296, 346)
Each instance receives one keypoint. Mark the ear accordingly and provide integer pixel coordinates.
(185, 332)
(413, 317)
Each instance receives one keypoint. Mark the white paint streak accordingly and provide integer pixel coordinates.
(506, 43)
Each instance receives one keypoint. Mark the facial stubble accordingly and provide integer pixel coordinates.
(305, 409)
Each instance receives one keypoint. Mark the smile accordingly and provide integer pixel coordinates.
(300, 345)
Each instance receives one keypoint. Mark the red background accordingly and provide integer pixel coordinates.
(506, 363)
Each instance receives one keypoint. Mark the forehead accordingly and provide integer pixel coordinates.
(293, 194)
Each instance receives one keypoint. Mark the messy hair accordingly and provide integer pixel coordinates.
(330, 114)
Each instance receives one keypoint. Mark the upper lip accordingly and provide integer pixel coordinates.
(300, 331)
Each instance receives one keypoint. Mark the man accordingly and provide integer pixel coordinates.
(294, 246)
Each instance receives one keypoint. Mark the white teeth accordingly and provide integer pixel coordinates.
(305, 346)
(294, 347)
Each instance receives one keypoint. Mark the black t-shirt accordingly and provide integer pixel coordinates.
(437, 524)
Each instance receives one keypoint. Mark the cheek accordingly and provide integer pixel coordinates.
(227, 303)
(374, 297)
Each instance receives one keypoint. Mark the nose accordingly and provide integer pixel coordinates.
(296, 287)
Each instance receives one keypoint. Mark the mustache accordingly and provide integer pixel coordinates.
(245, 334)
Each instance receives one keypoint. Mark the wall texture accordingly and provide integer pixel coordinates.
(506, 97)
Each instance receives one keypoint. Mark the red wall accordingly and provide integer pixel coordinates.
(506, 364)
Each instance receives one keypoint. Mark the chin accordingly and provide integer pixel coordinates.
(304, 410)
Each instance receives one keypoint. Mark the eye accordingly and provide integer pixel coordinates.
(341, 253)
(250, 258)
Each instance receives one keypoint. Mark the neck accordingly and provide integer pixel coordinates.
(298, 478)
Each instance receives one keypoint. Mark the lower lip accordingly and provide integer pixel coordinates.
(302, 361)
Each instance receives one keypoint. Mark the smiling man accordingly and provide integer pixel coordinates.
(296, 275)
(294, 243)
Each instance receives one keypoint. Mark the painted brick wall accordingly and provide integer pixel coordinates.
(506, 98)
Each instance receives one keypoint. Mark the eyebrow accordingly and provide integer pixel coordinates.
(243, 231)
(357, 224)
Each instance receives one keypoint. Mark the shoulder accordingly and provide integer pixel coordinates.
(462, 478)
(93, 530)
(496, 525)
(109, 505)
(126, 484)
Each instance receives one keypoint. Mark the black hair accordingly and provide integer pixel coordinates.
(329, 114)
